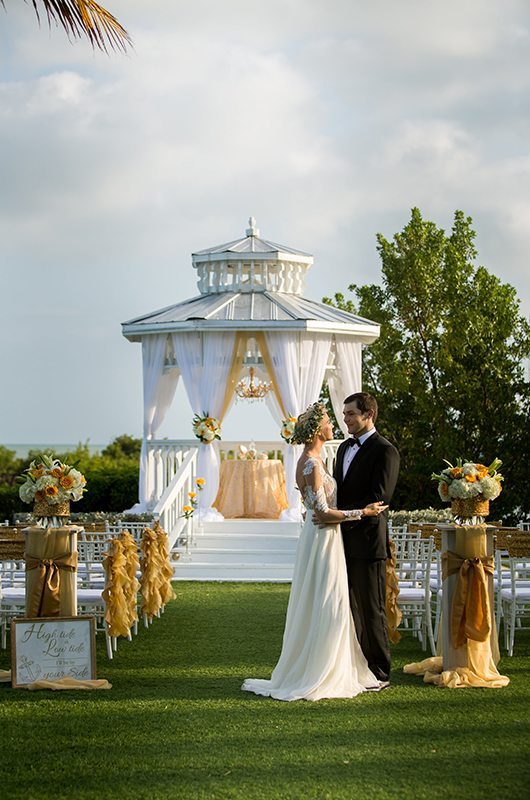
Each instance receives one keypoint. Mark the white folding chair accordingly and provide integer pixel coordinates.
(516, 597)
(12, 595)
(413, 569)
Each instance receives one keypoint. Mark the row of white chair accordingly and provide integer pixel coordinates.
(419, 572)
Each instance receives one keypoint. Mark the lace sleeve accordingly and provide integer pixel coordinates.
(314, 493)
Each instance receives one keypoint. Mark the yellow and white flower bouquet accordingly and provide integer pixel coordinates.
(206, 428)
(469, 486)
(49, 480)
(287, 429)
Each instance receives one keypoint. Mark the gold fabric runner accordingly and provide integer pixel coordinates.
(44, 595)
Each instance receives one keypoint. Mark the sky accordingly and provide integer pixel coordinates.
(327, 121)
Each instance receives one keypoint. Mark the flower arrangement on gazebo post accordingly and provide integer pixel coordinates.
(206, 428)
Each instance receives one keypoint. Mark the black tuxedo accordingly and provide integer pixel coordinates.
(372, 476)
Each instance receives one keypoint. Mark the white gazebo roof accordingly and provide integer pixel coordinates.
(250, 284)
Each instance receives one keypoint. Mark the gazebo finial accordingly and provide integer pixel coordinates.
(252, 230)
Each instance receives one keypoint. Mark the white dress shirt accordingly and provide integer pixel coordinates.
(351, 452)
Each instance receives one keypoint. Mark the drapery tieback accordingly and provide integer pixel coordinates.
(470, 611)
(44, 598)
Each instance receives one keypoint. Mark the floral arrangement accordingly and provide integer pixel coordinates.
(189, 509)
(49, 479)
(467, 480)
(287, 429)
(206, 428)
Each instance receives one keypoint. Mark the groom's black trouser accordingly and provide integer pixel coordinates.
(367, 584)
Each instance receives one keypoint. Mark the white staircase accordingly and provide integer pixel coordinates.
(240, 550)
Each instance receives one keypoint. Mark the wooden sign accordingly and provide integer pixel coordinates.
(49, 648)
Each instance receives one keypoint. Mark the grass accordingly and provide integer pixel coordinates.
(176, 725)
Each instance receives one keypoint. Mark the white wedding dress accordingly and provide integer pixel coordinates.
(321, 657)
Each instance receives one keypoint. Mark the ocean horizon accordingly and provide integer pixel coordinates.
(22, 450)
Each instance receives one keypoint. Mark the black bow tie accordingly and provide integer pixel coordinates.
(352, 440)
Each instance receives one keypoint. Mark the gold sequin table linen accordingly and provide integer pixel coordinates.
(251, 489)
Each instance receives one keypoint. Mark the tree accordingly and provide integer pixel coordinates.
(448, 367)
(85, 18)
(124, 446)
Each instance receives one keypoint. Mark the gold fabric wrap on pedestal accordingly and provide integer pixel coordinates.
(44, 597)
(393, 613)
(470, 638)
(470, 613)
(44, 547)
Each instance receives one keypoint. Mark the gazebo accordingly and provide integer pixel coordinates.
(250, 311)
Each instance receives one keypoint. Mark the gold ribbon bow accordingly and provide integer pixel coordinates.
(44, 599)
(470, 612)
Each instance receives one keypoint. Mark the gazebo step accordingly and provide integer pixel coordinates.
(262, 527)
(225, 556)
(245, 541)
(198, 571)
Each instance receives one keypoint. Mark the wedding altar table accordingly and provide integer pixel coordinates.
(251, 489)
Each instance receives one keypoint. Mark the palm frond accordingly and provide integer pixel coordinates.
(85, 18)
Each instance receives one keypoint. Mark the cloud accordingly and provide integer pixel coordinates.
(326, 122)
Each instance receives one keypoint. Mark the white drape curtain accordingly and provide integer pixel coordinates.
(299, 361)
(205, 363)
(346, 378)
(159, 390)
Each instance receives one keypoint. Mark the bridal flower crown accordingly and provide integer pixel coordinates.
(308, 423)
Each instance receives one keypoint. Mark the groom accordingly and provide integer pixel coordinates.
(366, 470)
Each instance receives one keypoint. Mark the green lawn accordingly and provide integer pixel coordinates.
(176, 725)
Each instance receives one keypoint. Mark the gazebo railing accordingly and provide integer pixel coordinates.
(175, 496)
(167, 456)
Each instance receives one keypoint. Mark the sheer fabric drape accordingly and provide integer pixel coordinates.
(299, 362)
(346, 377)
(159, 390)
(205, 363)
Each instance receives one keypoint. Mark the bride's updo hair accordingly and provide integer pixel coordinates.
(308, 424)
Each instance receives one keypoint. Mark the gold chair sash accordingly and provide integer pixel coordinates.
(470, 612)
(44, 598)
(151, 567)
(114, 594)
(393, 612)
(166, 567)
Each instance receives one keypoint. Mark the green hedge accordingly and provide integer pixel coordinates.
(112, 489)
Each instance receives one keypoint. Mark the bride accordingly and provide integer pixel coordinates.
(320, 656)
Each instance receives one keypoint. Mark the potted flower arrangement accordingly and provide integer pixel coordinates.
(469, 487)
(206, 428)
(51, 485)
